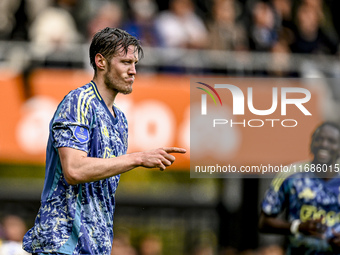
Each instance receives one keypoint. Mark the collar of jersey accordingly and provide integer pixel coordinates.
(114, 120)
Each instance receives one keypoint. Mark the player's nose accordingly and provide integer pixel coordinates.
(132, 69)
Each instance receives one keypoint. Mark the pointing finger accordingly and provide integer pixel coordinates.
(174, 150)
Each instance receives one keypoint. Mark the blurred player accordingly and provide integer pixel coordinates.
(14, 228)
(311, 199)
(86, 153)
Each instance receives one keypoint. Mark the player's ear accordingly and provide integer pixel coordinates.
(101, 62)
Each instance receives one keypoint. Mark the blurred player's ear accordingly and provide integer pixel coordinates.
(100, 61)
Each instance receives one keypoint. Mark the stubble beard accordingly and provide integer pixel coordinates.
(115, 87)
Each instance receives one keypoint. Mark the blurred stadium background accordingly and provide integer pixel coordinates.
(44, 54)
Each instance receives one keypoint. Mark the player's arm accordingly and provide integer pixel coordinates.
(275, 225)
(79, 168)
(273, 204)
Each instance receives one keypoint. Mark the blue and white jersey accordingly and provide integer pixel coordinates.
(78, 219)
(306, 197)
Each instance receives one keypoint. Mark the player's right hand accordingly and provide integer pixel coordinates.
(160, 158)
(313, 228)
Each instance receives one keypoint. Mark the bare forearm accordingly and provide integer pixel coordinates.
(274, 225)
(88, 169)
(78, 168)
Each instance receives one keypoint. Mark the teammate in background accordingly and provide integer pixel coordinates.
(311, 199)
(14, 228)
(86, 153)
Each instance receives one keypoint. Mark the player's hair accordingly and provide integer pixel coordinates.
(323, 124)
(112, 41)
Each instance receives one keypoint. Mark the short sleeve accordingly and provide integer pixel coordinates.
(70, 125)
(275, 197)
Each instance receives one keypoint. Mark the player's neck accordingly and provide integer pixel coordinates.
(108, 95)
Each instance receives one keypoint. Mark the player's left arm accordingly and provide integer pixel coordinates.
(273, 225)
(273, 204)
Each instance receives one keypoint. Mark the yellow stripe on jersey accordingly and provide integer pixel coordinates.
(95, 90)
(83, 97)
(87, 106)
(277, 182)
(83, 108)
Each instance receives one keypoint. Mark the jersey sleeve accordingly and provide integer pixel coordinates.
(70, 126)
(275, 197)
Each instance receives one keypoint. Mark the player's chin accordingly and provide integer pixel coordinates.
(126, 91)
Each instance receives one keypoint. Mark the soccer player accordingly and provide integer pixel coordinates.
(311, 199)
(86, 153)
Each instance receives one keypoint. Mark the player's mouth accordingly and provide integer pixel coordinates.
(130, 79)
(323, 154)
